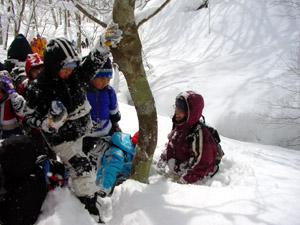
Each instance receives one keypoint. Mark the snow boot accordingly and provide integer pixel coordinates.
(90, 204)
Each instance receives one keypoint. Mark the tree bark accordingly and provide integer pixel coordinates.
(53, 15)
(129, 57)
(78, 32)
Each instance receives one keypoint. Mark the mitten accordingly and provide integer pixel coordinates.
(9, 88)
(181, 180)
(174, 176)
(112, 37)
(17, 101)
(116, 127)
(56, 117)
(104, 192)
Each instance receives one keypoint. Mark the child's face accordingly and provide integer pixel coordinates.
(34, 72)
(64, 73)
(100, 82)
(179, 115)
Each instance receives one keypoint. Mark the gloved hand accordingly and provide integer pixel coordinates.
(56, 117)
(181, 181)
(9, 87)
(103, 192)
(17, 101)
(174, 176)
(112, 37)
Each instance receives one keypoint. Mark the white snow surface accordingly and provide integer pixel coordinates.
(227, 59)
(256, 184)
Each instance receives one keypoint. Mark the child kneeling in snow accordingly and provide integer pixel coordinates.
(113, 156)
(191, 151)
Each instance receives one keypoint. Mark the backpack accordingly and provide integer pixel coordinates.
(214, 133)
(216, 136)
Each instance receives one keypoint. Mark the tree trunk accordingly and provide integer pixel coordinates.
(20, 17)
(78, 32)
(1, 32)
(53, 15)
(128, 56)
(65, 23)
(32, 6)
(7, 30)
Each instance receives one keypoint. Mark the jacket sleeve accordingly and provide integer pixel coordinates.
(112, 163)
(90, 65)
(33, 117)
(18, 105)
(114, 112)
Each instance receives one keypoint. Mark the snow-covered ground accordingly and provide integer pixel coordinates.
(227, 59)
(256, 184)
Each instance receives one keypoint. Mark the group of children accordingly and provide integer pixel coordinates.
(68, 103)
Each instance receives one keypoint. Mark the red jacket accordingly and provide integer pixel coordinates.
(8, 119)
(194, 159)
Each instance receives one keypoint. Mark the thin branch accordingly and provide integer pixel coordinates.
(81, 9)
(154, 14)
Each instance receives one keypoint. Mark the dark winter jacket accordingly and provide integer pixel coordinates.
(191, 158)
(19, 48)
(48, 87)
(105, 110)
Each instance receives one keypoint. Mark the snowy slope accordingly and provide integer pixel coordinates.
(227, 53)
(256, 184)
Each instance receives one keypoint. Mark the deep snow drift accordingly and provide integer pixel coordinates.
(256, 184)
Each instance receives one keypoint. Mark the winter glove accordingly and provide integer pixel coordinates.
(104, 192)
(181, 180)
(174, 176)
(17, 102)
(116, 128)
(56, 117)
(9, 88)
(112, 37)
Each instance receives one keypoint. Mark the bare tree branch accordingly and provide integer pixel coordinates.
(153, 14)
(81, 9)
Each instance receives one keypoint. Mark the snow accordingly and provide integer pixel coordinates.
(256, 184)
(228, 63)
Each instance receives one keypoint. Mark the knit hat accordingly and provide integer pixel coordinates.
(71, 64)
(106, 70)
(33, 61)
(181, 103)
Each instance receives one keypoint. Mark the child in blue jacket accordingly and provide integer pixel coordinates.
(105, 110)
(113, 158)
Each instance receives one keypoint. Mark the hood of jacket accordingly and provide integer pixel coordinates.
(195, 105)
(32, 61)
(59, 52)
(19, 48)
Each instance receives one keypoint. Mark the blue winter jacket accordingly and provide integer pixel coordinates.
(104, 105)
(117, 159)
